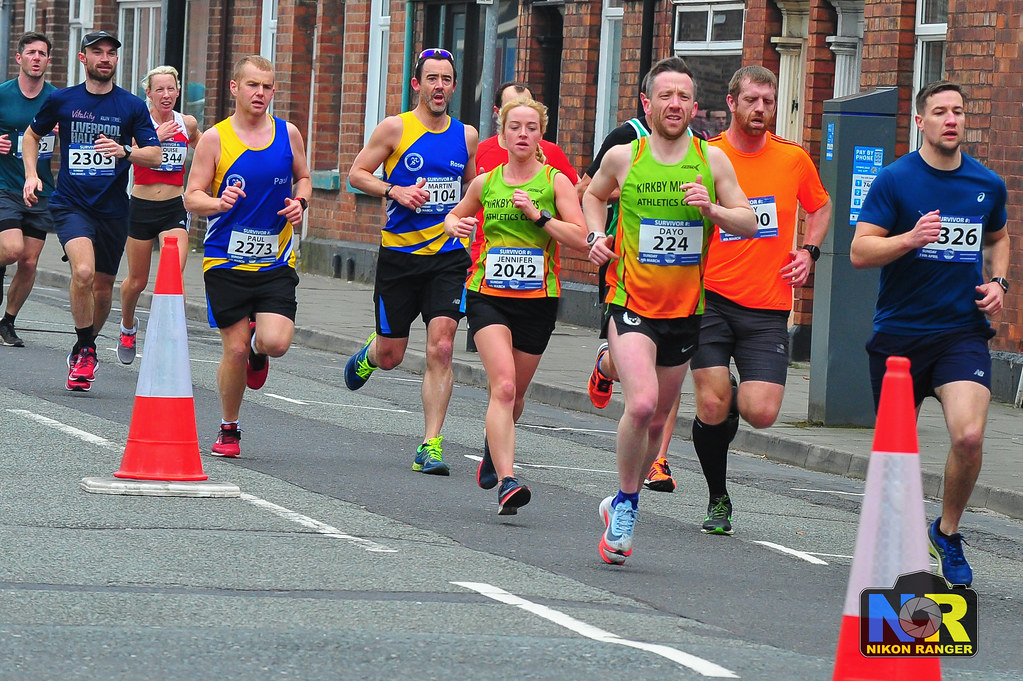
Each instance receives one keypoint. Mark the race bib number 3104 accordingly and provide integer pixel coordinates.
(670, 242)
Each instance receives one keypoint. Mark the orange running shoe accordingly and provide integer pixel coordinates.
(659, 478)
(600, 385)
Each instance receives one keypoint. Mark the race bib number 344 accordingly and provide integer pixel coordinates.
(85, 161)
(670, 242)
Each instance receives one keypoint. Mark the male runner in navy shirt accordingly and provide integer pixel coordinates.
(932, 221)
(98, 122)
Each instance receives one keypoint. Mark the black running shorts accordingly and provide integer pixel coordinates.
(408, 286)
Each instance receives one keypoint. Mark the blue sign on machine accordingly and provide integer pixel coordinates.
(829, 142)
(867, 163)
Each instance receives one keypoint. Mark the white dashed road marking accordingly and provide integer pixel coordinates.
(792, 552)
(697, 664)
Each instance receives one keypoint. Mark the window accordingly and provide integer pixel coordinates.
(30, 15)
(268, 33)
(141, 30)
(376, 75)
(79, 23)
(929, 64)
(708, 27)
(608, 78)
(193, 77)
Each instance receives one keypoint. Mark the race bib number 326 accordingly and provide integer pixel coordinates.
(960, 240)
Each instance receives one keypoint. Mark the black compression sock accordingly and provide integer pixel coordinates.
(711, 444)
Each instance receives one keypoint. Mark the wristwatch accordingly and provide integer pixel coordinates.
(1003, 282)
(815, 253)
(127, 151)
(302, 200)
(545, 216)
(387, 192)
(592, 237)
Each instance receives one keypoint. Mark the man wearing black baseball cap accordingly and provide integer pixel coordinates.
(98, 124)
(96, 36)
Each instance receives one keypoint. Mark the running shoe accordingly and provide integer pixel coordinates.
(619, 522)
(486, 475)
(512, 496)
(84, 368)
(76, 384)
(126, 346)
(719, 516)
(947, 549)
(9, 336)
(228, 442)
(659, 477)
(256, 367)
(600, 385)
(428, 458)
(358, 368)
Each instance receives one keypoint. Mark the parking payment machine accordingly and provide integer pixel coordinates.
(858, 140)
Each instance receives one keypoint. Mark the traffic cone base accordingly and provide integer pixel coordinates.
(160, 488)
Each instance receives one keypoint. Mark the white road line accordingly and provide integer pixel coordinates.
(335, 404)
(285, 513)
(792, 552)
(829, 555)
(67, 430)
(827, 491)
(321, 527)
(286, 399)
(697, 664)
(558, 429)
(538, 465)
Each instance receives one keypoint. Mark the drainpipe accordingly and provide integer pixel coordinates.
(646, 46)
(406, 61)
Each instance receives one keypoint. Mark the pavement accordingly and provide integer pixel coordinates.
(337, 315)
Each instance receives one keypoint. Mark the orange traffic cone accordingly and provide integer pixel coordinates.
(163, 446)
(891, 539)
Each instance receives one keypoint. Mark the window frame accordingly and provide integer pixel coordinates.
(377, 66)
(130, 70)
(609, 76)
(926, 34)
(80, 17)
(707, 46)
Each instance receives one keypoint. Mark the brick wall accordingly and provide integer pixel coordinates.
(888, 49)
(984, 55)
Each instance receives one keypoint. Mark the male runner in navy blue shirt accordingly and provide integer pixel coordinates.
(98, 123)
(932, 221)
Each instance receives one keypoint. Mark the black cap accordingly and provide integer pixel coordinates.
(96, 36)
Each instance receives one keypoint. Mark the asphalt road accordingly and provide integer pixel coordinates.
(339, 561)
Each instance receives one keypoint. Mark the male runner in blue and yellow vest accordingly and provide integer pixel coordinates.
(427, 157)
(255, 167)
(674, 189)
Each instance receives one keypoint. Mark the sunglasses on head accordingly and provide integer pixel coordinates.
(438, 52)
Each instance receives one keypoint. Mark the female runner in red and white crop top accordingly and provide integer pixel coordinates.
(156, 204)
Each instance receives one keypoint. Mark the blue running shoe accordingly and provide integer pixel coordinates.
(619, 522)
(948, 551)
(428, 458)
(512, 496)
(486, 474)
(358, 368)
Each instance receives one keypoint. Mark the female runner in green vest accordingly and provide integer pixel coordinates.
(513, 286)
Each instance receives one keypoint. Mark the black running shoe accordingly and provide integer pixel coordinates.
(719, 516)
(511, 496)
(9, 336)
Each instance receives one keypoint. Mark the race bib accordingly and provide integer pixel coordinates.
(766, 210)
(172, 156)
(250, 245)
(670, 242)
(444, 195)
(46, 145)
(85, 161)
(519, 269)
(960, 240)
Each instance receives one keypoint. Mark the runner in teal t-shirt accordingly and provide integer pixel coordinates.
(22, 228)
